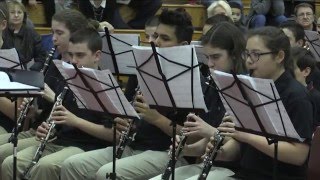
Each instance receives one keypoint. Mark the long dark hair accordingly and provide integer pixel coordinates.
(227, 36)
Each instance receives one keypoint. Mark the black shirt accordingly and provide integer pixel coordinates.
(100, 14)
(150, 137)
(257, 165)
(71, 136)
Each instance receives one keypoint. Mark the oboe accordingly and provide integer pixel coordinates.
(127, 136)
(210, 156)
(25, 110)
(168, 171)
(51, 133)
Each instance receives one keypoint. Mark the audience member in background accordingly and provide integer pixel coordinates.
(304, 66)
(219, 7)
(295, 33)
(266, 12)
(150, 28)
(110, 11)
(25, 39)
(237, 15)
(214, 20)
(304, 15)
(150, 36)
(207, 3)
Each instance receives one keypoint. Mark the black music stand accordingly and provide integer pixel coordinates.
(89, 91)
(313, 39)
(243, 96)
(9, 59)
(159, 76)
(117, 53)
(30, 78)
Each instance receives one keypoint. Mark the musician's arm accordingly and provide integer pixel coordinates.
(62, 116)
(165, 124)
(196, 149)
(7, 107)
(230, 151)
(96, 130)
(292, 153)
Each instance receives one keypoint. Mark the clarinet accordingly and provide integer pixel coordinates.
(168, 171)
(127, 136)
(210, 156)
(25, 110)
(50, 135)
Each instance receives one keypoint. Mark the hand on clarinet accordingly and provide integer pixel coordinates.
(122, 124)
(195, 126)
(209, 147)
(176, 143)
(61, 115)
(42, 131)
(227, 129)
(144, 111)
(31, 111)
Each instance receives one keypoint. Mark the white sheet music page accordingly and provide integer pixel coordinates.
(9, 58)
(202, 58)
(7, 85)
(269, 114)
(122, 47)
(174, 61)
(104, 85)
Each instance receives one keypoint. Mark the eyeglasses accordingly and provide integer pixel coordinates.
(254, 56)
(302, 15)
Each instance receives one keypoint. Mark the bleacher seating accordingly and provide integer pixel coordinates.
(198, 13)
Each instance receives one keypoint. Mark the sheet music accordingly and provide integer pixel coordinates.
(122, 47)
(9, 59)
(101, 82)
(154, 89)
(313, 40)
(202, 58)
(7, 85)
(269, 114)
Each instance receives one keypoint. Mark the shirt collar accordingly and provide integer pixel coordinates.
(103, 4)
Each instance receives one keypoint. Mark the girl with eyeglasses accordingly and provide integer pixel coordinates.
(268, 56)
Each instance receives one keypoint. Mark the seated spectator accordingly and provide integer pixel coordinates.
(295, 33)
(266, 12)
(25, 39)
(237, 15)
(210, 22)
(304, 15)
(219, 7)
(207, 3)
(109, 11)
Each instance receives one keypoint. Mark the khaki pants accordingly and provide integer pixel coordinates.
(47, 168)
(25, 139)
(192, 172)
(134, 164)
(2, 130)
